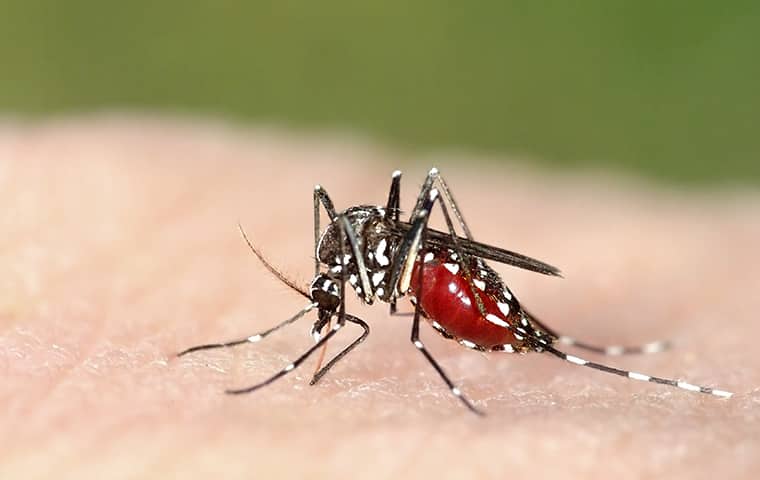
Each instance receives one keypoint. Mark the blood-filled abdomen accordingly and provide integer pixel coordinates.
(447, 298)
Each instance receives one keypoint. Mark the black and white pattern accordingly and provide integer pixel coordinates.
(373, 251)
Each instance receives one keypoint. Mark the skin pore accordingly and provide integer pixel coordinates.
(121, 248)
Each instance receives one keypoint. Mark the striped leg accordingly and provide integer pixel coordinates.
(253, 338)
(421, 347)
(291, 366)
(611, 350)
(633, 375)
(617, 350)
(321, 372)
(415, 338)
(392, 208)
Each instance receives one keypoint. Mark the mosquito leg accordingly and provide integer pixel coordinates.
(290, 367)
(433, 177)
(424, 193)
(394, 198)
(401, 268)
(253, 338)
(421, 347)
(395, 313)
(633, 375)
(320, 197)
(401, 274)
(461, 258)
(321, 372)
(342, 238)
(353, 242)
(611, 350)
(617, 350)
(407, 252)
(454, 207)
(322, 321)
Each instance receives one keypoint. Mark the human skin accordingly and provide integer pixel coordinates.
(120, 248)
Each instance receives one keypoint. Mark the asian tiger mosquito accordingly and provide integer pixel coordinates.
(445, 275)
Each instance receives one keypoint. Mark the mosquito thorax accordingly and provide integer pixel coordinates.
(375, 244)
(329, 248)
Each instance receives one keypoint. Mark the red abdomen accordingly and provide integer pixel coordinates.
(448, 299)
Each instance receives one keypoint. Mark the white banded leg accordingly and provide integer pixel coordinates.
(453, 204)
(320, 372)
(617, 350)
(321, 197)
(635, 376)
(253, 338)
(611, 350)
(415, 338)
(392, 208)
(291, 366)
(453, 388)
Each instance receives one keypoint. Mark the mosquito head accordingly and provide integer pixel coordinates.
(325, 292)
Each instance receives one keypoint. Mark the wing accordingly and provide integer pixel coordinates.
(488, 252)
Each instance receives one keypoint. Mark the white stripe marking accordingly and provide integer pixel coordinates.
(452, 267)
(688, 386)
(464, 299)
(480, 284)
(575, 360)
(504, 307)
(639, 376)
(468, 344)
(380, 253)
(614, 350)
(722, 393)
(653, 347)
(290, 367)
(496, 320)
(419, 344)
(456, 392)
(255, 338)
(378, 277)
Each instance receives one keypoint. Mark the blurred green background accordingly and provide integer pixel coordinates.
(666, 89)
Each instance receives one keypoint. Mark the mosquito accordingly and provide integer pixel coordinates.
(443, 273)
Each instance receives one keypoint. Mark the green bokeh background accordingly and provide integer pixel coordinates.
(666, 89)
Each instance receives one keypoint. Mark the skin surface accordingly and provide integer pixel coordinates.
(120, 248)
